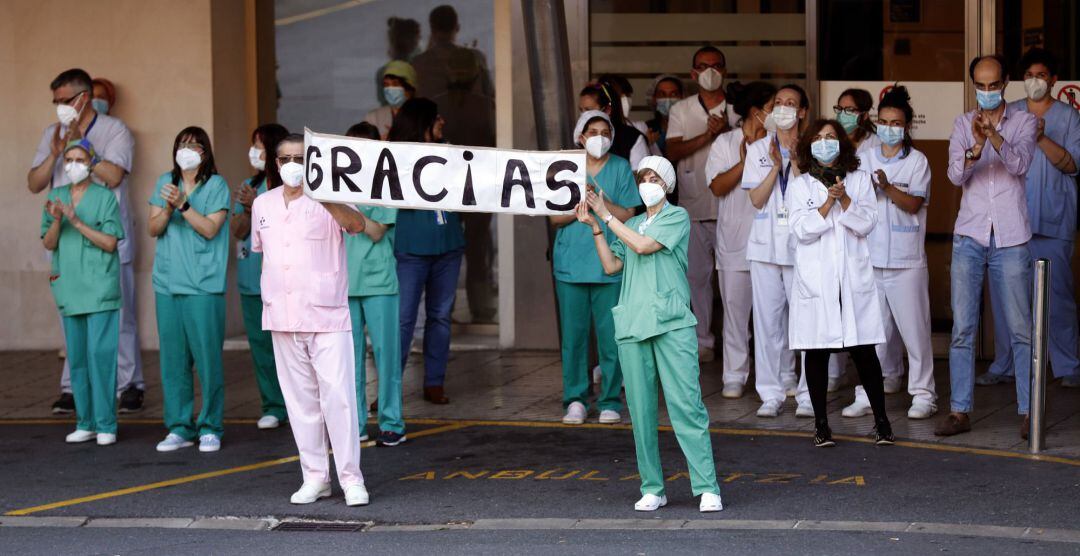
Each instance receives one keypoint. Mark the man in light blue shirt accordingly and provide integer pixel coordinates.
(1051, 201)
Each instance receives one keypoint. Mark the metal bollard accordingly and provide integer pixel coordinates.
(1039, 324)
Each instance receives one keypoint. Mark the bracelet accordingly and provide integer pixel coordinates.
(601, 232)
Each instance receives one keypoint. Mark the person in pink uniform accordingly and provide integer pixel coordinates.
(305, 290)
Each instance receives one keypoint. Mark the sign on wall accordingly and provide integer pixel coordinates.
(936, 103)
(436, 176)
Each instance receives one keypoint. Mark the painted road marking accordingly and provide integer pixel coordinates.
(193, 478)
(596, 475)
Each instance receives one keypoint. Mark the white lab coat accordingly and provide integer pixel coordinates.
(834, 303)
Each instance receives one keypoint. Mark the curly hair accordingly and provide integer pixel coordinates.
(847, 161)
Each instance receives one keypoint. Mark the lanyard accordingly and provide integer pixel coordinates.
(784, 171)
(91, 126)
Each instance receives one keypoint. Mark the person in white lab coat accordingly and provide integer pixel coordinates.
(834, 304)
(901, 176)
(723, 171)
(768, 171)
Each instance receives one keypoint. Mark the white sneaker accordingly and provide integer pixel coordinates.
(650, 503)
(173, 442)
(770, 408)
(859, 408)
(921, 409)
(268, 422)
(105, 438)
(804, 410)
(732, 390)
(209, 443)
(710, 503)
(610, 417)
(575, 414)
(791, 388)
(364, 435)
(309, 493)
(894, 384)
(80, 436)
(834, 384)
(356, 495)
(597, 374)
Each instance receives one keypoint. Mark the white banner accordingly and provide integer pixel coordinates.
(438, 176)
(936, 103)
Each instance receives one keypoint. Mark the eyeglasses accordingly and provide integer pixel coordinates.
(191, 145)
(57, 102)
(299, 159)
(849, 110)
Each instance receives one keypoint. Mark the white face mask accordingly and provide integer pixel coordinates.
(66, 114)
(783, 117)
(651, 193)
(1036, 88)
(627, 103)
(188, 159)
(255, 157)
(292, 174)
(76, 171)
(597, 146)
(710, 79)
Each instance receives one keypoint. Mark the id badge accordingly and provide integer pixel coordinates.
(241, 251)
(782, 216)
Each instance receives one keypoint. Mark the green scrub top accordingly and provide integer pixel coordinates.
(186, 263)
(372, 266)
(428, 232)
(84, 278)
(575, 255)
(655, 296)
(248, 264)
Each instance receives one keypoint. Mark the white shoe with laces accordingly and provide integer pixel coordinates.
(804, 410)
(575, 414)
(650, 503)
(209, 443)
(80, 436)
(106, 438)
(310, 492)
(173, 442)
(770, 408)
(858, 408)
(710, 502)
(921, 409)
(732, 391)
(610, 417)
(268, 422)
(357, 495)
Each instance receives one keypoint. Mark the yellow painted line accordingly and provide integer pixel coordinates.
(198, 477)
(320, 12)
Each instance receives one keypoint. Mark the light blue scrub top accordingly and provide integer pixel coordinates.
(1051, 194)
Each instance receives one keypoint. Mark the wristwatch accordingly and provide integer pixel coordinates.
(970, 154)
(184, 206)
(608, 218)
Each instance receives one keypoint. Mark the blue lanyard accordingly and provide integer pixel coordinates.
(784, 171)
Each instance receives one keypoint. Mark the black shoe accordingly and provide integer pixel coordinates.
(65, 405)
(883, 435)
(823, 438)
(389, 438)
(131, 400)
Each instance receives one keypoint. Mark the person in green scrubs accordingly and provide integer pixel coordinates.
(655, 330)
(264, 141)
(81, 227)
(187, 216)
(585, 294)
(374, 302)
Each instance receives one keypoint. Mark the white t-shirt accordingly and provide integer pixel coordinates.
(735, 214)
(687, 120)
(898, 240)
(382, 118)
(770, 238)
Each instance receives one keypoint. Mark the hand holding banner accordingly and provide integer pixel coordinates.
(438, 176)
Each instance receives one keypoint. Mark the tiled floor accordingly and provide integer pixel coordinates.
(526, 386)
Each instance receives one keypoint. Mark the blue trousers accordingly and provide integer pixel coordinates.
(437, 277)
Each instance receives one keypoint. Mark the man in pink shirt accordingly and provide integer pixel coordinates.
(305, 308)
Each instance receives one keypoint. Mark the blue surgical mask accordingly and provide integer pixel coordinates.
(848, 121)
(988, 100)
(890, 135)
(825, 150)
(395, 96)
(663, 105)
(101, 106)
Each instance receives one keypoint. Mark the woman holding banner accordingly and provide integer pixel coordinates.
(428, 246)
(655, 330)
(585, 293)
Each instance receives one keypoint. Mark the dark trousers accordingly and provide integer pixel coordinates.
(817, 380)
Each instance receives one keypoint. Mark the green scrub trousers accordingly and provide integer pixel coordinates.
(191, 329)
(380, 314)
(671, 360)
(579, 306)
(262, 353)
(92, 340)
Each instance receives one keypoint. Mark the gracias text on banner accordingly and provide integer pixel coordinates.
(437, 176)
